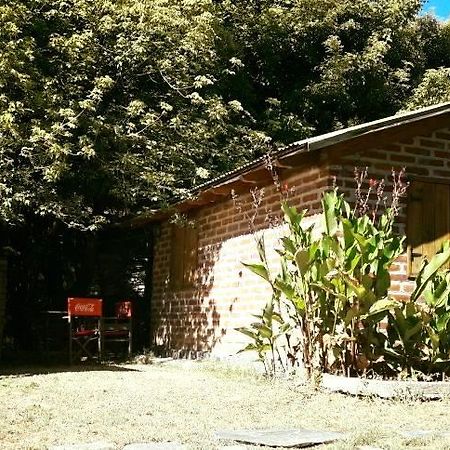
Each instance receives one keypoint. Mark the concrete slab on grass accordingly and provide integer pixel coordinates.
(232, 447)
(427, 390)
(425, 433)
(90, 446)
(369, 447)
(280, 438)
(156, 446)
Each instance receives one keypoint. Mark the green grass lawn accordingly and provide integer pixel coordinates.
(187, 401)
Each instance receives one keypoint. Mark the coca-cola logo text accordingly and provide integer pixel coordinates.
(84, 307)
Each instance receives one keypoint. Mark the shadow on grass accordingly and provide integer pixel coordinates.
(25, 370)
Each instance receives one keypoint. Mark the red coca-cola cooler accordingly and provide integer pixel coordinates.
(84, 328)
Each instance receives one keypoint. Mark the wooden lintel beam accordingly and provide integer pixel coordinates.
(279, 165)
(247, 180)
(209, 197)
(221, 191)
(261, 176)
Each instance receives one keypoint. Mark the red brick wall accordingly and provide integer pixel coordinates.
(427, 157)
(225, 294)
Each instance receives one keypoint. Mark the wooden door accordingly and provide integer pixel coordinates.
(428, 223)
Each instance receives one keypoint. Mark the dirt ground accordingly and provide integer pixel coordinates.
(187, 401)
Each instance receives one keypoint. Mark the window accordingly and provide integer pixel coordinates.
(428, 221)
(183, 260)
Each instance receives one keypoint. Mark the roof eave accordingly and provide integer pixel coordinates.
(221, 187)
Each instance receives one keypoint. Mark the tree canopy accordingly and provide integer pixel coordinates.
(111, 107)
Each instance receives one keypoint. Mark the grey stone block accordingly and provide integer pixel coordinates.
(232, 447)
(386, 388)
(425, 433)
(90, 446)
(156, 446)
(280, 438)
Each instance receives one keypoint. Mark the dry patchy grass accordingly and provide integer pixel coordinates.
(187, 402)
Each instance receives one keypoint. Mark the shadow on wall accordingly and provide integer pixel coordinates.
(189, 322)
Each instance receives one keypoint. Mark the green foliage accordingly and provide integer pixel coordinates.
(419, 329)
(341, 278)
(265, 334)
(331, 294)
(348, 61)
(109, 108)
(434, 88)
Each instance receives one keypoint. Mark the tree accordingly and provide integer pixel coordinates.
(434, 89)
(110, 106)
(434, 85)
(312, 66)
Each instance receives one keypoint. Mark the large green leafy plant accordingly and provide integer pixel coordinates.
(331, 296)
(419, 330)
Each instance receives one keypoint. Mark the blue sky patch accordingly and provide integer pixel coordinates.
(440, 8)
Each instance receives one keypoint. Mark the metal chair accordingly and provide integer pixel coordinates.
(120, 327)
(84, 315)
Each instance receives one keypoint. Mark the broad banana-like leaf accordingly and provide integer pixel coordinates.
(442, 322)
(302, 260)
(330, 202)
(429, 271)
(265, 332)
(248, 348)
(353, 259)
(268, 313)
(440, 295)
(247, 332)
(434, 338)
(291, 215)
(351, 314)
(393, 249)
(300, 305)
(385, 304)
(261, 247)
(410, 332)
(363, 293)
(288, 245)
(441, 361)
(258, 269)
(382, 283)
(362, 242)
(349, 238)
(400, 320)
(411, 310)
(346, 208)
(334, 293)
(286, 288)
(277, 317)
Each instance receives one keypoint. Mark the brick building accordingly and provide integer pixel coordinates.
(201, 291)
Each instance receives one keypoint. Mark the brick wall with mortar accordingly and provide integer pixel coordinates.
(422, 157)
(224, 296)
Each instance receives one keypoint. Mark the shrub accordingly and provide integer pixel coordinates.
(331, 294)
